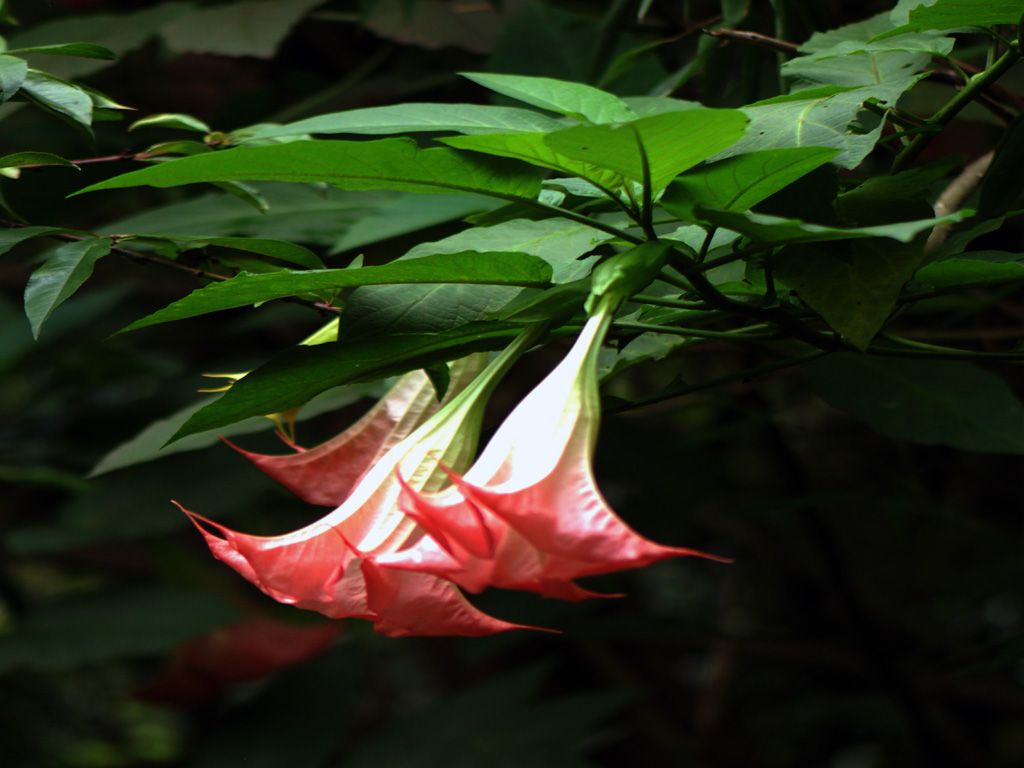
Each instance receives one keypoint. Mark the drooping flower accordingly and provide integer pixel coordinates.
(528, 514)
(330, 565)
(327, 473)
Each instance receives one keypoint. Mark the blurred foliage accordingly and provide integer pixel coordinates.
(873, 616)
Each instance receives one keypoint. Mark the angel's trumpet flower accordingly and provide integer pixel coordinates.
(528, 514)
(330, 565)
(327, 473)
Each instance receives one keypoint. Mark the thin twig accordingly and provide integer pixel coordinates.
(954, 195)
(163, 261)
(977, 85)
(762, 41)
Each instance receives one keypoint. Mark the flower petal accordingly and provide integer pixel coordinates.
(528, 513)
(408, 603)
(326, 474)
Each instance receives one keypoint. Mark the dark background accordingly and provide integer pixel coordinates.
(872, 617)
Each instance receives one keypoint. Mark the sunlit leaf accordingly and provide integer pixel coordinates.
(740, 182)
(411, 118)
(672, 142)
(951, 14)
(385, 164)
(12, 75)
(171, 120)
(584, 102)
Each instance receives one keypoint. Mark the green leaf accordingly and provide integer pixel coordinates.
(534, 149)
(12, 237)
(171, 120)
(56, 94)
(385, 164)
(34, 158)
(952, 14)
(902, 196)
(244, 192)
(277, 249)
(60, 276)
(410, 213)
(12, 75)
(292, 378)
(862, 36)
(975, 269)
(741, 182)
(82, 50)
(583, 102)
(411, 118)
(646, 106)
(384, 310)
(241, 28)
(817, 117)
(134, 622)
(560, 242)
(298, 213)
(853, 290)
(852, 68)
(151, 443)
(672, 141)
(934, 402)
(847, 56)
(120, 33)
(389, 309)
(763, 228)
(475, 268)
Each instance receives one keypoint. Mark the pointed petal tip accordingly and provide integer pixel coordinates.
(196, 519)
(388, 629)
(706, 555)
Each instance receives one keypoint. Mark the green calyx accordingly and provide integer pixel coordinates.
(626, 273)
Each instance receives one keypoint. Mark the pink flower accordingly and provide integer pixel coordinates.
(330, 565)
(528, 514)
(327, 474)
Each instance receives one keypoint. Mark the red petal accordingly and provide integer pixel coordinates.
(408, 603)
(318, 572)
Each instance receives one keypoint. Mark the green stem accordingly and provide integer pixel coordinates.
(661, 301)
(739, 334)
(703, 252)
(913, 348)
(972, 89)
(717, 300)
(729, 258)
(564, 213)
(647, 204)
